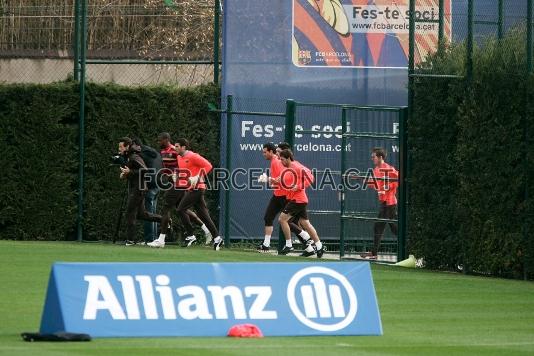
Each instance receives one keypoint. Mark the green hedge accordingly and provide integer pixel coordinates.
(468, 167)
(38, 160)
(38, 198)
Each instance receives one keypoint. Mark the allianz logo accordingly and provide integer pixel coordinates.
(321, 306)
(193, 301)
(318, 297)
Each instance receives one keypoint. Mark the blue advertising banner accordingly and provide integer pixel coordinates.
(332, 51)
(206, 299)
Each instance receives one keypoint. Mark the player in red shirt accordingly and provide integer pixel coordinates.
(294, 179)
(386, 188)
(192, 172)
(278, 200)
(174, 195)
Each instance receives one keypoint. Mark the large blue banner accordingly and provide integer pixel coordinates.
(261, 72)
(331, 51)
(206, 299)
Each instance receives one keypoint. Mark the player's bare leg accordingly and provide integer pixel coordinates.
(195, 219)
(311, 250)
(284, 224)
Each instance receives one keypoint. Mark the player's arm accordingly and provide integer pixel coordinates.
(395, 179)
(276, 169)
(390, 181)
(305, 178)
(203, 164)
(204, 167)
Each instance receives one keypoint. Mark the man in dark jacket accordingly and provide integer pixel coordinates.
(133, 171)
(153, 161)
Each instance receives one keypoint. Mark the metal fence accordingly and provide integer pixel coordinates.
(464, 23)
(138, 42)
(345, 216)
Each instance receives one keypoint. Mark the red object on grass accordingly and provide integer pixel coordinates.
(245, 330)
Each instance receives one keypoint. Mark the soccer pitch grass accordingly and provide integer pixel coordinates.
(424, 313)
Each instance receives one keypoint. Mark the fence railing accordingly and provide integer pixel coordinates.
(341, 215)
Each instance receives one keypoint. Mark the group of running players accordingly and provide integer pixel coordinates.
(288, 178)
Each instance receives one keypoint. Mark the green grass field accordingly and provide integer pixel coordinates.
(423, 312)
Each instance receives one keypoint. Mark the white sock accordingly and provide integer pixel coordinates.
(161, 238)
(217, 239)
(289, 243)
(319, 245)
(267, 241)
(205, 229)
(192, 237)
(309, 248)
(304, 234)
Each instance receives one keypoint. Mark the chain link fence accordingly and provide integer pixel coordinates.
(461, 27)
(137, 42)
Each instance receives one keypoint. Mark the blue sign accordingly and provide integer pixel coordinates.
(206, 299)
(279, 49)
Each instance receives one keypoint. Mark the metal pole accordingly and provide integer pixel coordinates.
(404, 116)
(411, 54)
(76, 40)
(525, 137)
(500, 21)
(411, 39)
(216, 42)
(139, 61)
(441, 30)
(343, 185)
(227, 195)
(291, 109)
(529, 36)
(470, 24)
(81, 123)
(525, 187)
(403, 149)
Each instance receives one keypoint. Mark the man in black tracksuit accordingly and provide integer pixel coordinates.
(133, 171)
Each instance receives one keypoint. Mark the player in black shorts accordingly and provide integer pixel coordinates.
(294, 179)
(278, 200)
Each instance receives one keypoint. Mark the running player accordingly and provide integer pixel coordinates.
(192, 171)
(279, 148)
(294, 179)
(387, 199)
(174, 195)
(278, 200)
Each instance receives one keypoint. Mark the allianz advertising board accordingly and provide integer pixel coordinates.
(206, 299)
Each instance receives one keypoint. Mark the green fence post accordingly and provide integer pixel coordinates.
(216, 36)
(403, 206)
(227, 194)
(343, 181)
(529, 36)
(470, 25)
(411, 55)
(525, 135)
(76, 40)
(525, 162)
(291, 108)
(500, 22)
(81, 122)
(411, 39)
(441, 21)
(408, 113)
